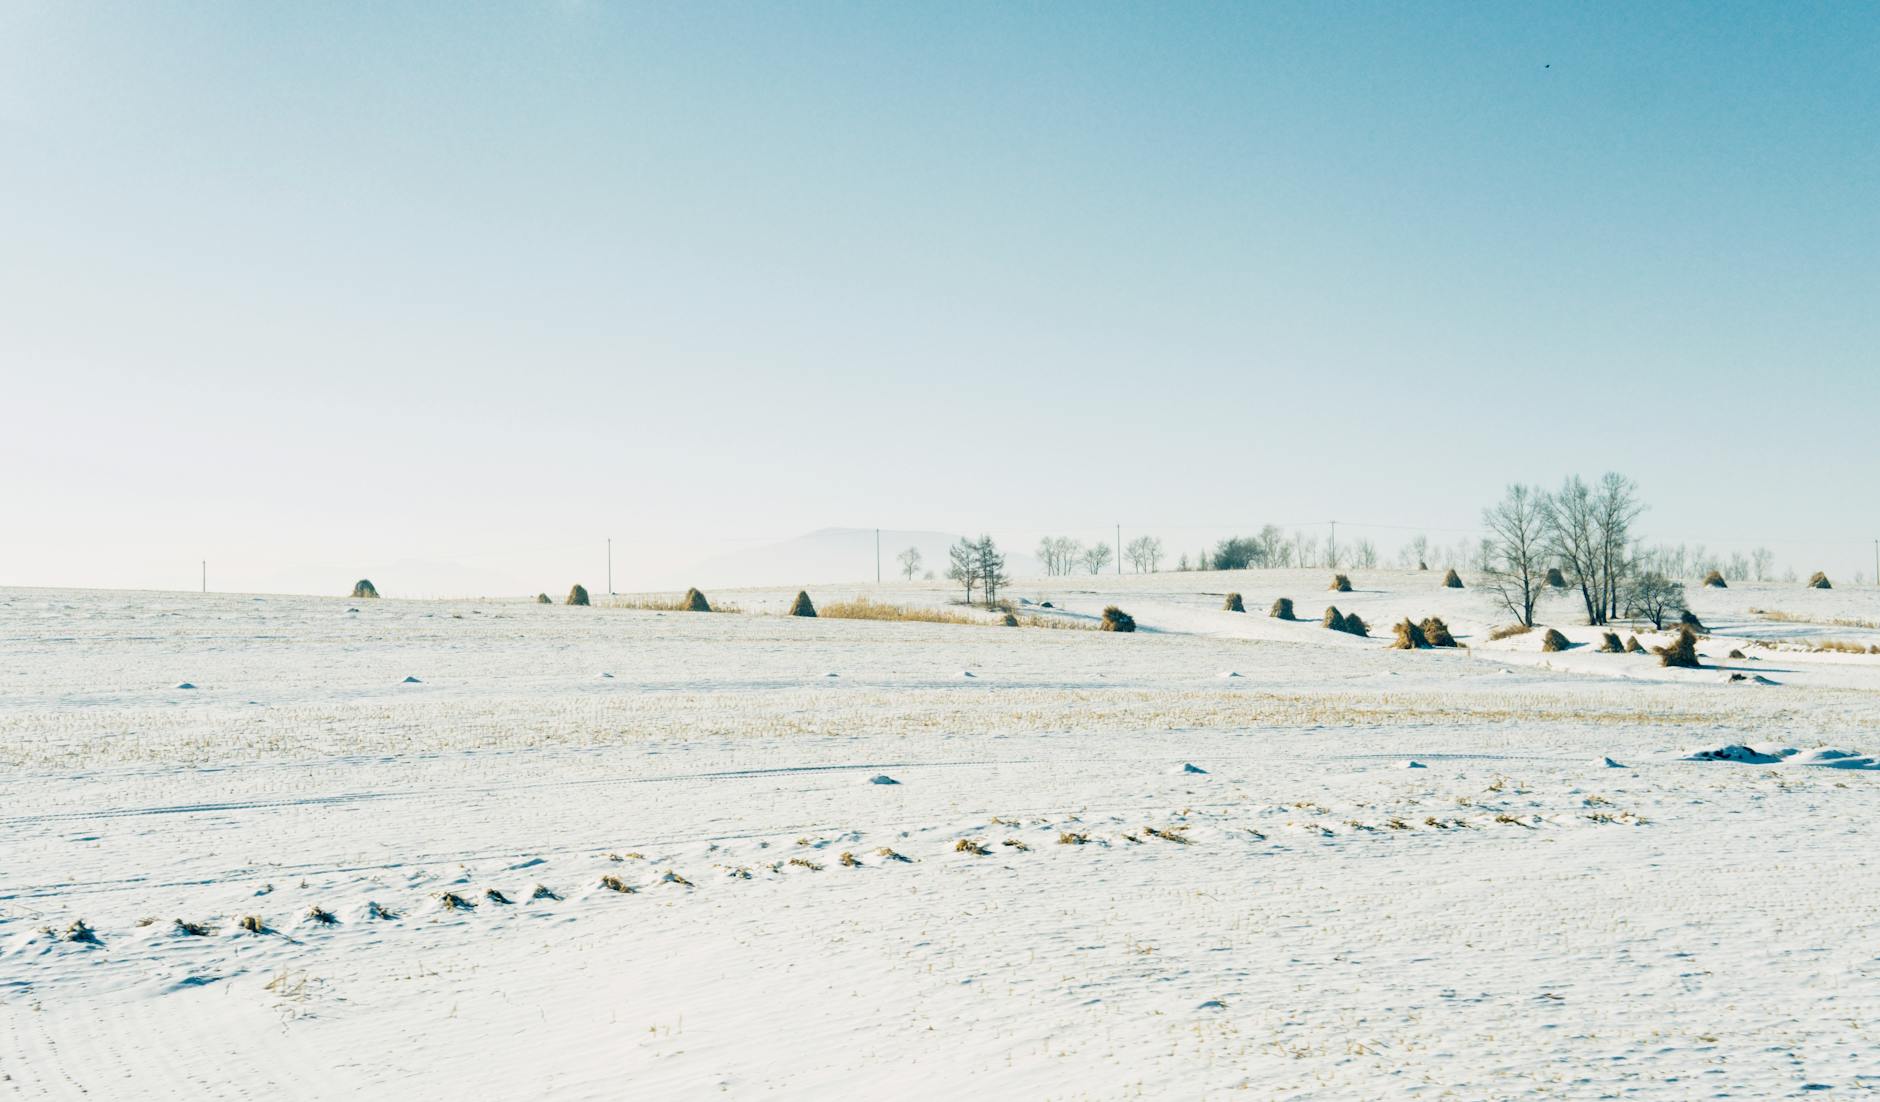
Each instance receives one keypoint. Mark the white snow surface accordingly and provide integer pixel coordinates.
(1106, 870)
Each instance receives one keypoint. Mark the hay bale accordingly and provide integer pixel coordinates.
(544, 599)
(577, 596)
(1688, 619)
(1715, 580)
(1633, 646)
(1734, 653)
(1282, 609)
(1437, 632)
(1554, 641)
(1452, 580)
(1818, 580)
(1355, 625)
(364, 590)
(696, 602)
(1334, 619)
(1233, 603)
(1609, 644)
(1555, 579)
(1682, 651)
(1409, 637)
(1421, 565)
(802, 606)
(1115, 619)
(1007, 620)
(1340, 584)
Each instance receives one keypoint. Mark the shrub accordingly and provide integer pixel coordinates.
(1233, 603)
(577, 596)
(801, 606)
(364, 590)
(1715, 580)
(1355, 625)
(1555, 578)
(1340, 584)
(1115, 619)
(1409, 637)
(1452, 580)
(1507, 631)
(1554, 641)
(1437, 632)
(1609, 644)
(1818, 580)
(1334, 619)
(1633, 646)
(1681, 652)
(694, 601)
(1282, 609)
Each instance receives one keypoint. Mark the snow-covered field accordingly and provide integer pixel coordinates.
(1189, 862)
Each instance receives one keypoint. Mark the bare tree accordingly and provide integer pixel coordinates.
(1615, 508)
(1762, 560)
(1096, 557)
(963, 565)
(1059, 554)
(1518, 550)
(991, 564)
(1144, 554)
(1570, 518)
(910, 562)
(1654, 596)
(1364, 555)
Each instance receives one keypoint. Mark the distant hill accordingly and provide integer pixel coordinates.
(838, 555)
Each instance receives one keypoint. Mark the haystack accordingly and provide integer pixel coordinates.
(1007, 620)
(577, 596)
(802, 606)
(1609, 644)
(1437, 632)
(1409, 637)
(1452, 580)
(1681, 652)
(1554, 641)
(1233, 603)
(696, 602)
(544, 599)
(1688, 619)
(1633, 646)
(1737, 654)
(1715, 580)
(1421, 565)
(1355, 625)
(1818, 580)
(1115, 619)
(1555, 579)
(1334, 619)
(1282, 609)
(364, 590)
(1340, 584)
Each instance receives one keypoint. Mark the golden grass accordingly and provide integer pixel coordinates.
(253, 924)
(887, 854)
(861, 608)
(1797, 618)
(1509, 631)
(1841, 646)
(972, 846)
(657, 602)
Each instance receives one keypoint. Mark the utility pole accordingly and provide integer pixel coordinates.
(1331, 547)
(610, 566)
(877, 556)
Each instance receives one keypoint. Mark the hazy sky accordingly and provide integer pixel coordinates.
(310, 289)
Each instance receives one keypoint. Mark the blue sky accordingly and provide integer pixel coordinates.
(306, 288)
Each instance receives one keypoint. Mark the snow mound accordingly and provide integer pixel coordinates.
(1736, 753)
(882, 778)
(1820, 757)
(1832, 759)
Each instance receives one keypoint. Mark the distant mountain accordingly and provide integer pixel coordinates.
(835, 555)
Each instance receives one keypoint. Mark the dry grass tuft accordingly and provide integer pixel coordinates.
(1071, 838)
(848, 860)
(1818, 580)
(1282, 609)
(1452, 580)
(672, 877)
(614, 884)
(1233, 603)
(887, 854)
(1609, 644)
(1797, 618)
(1680, 652)
(253, 924)
(194, 929)
(365, 590)
(970, 845)
(1014, 843)
(1172, 834)
(1554, 641)
(1714, 580)
(543, 891)
(1437, 632)
(861, 608)
(1838, 646)
(1115, 619)
(806, 863)
(577, 596)
(495, 895)
(379, 911)
(802, 606)
(1508, 631)
(451, 901)
(80, 933)
(1340, 584)
(1409, 637)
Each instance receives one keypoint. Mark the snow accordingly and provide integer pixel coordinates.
(1042, 908)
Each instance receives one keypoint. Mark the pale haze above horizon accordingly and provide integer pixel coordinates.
(314, 292)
